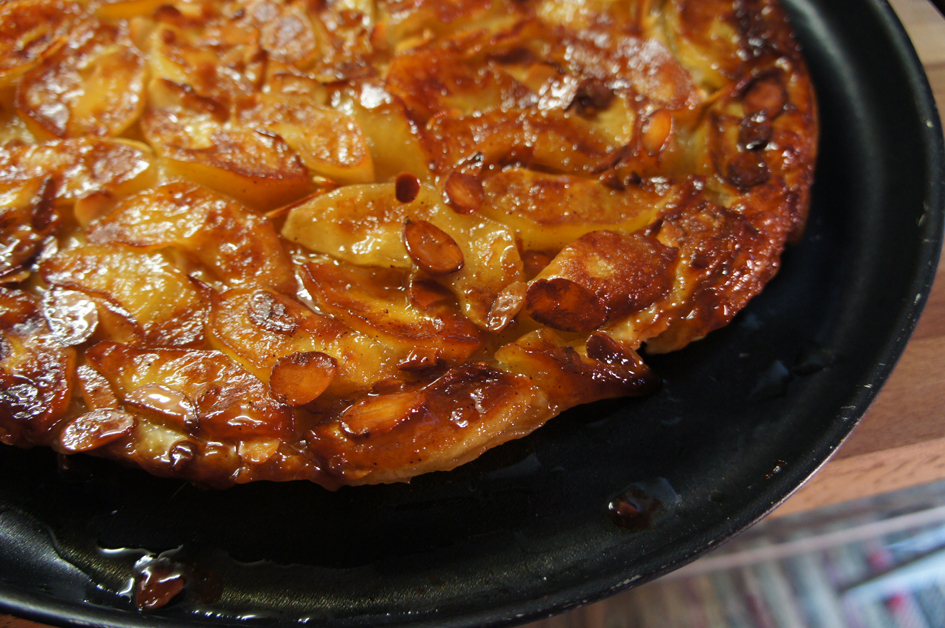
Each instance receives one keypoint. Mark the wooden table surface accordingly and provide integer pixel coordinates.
(901, 440)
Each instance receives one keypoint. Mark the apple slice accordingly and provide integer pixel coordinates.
(142, 297)
(364, 225)
(105, 76)
(235, 245)
(228, 402)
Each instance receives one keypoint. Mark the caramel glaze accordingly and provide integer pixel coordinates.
(256, 240)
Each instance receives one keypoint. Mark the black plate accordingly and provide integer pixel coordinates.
(744, 418)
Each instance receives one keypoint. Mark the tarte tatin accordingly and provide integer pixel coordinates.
(352, 242)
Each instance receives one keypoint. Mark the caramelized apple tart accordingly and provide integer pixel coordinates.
(353, 242)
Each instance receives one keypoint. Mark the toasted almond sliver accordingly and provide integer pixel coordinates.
(95, 429)
(506, 306)
(300, 378)
(656, 131)
(259, 450)
(431, 248)
(71, 315)
(464, 192)
(563, 304)
(381, 413)
(166, 402)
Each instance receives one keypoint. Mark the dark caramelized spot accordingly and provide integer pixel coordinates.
(606, 349)
(300, 378)
(755, 131)
(765, 94)
(406, 187)
(563, 304)
(95, 429)
(431, 248)
(421, 360)
(746, 170)
(592, 97)
(464, 192)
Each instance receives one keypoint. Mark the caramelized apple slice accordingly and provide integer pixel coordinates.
(36, 372)
(392, 136)
(235, 245)
(376, 302)
(95, 429)
(601, 276)
(570, 378)
(705, 38)
(142, 290)
(79, 166)
(552, 141)
(548, 211)
(435, 79)
(257, 328)
(397, 435)
(328, 142)
(286, 31)
(364, 225)
(31, 30)
(231, 404)
(344, 31)
(28, 216)
(105, 75)
(213, 54)
(191, 135)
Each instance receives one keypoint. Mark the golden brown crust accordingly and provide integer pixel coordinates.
(275, 240)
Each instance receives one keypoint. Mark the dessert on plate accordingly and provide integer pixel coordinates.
(353, 242)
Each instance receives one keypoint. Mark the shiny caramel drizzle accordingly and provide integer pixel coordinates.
(356, 242)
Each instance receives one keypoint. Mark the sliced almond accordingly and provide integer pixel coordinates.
(380, 414)
(464, 192)
(166, 402)
(71, 315)
(508, 304)
(96, 391)
(258, 450)
(95, 429)
(300, 378)
(563, 304)
(431, 248)
(656, 130)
